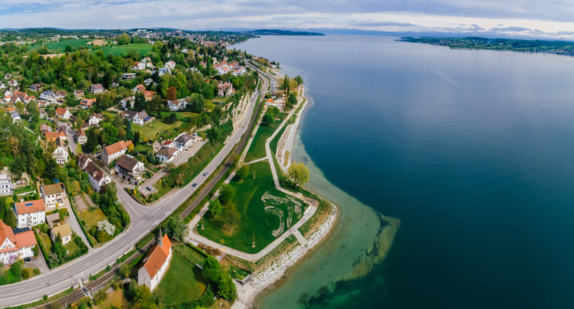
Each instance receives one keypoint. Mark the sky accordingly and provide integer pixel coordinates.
(526, 18)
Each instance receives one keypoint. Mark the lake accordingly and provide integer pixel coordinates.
(471, 150)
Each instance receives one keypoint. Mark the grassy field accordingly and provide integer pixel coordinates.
(190, 254)
(151, 130)
(120, 50)
(62, 44)
(91, 218)
(265, 225)
(180, 115)
(257, 148)
(183, 282)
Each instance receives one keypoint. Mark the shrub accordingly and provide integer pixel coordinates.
(45, 297)
(37, 271)
(26, 273)
(36, 251)
(17, 269)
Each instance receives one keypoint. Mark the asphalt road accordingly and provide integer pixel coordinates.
(144, 218)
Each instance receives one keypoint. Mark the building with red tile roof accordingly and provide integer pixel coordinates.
(156, 263)
(15, 246)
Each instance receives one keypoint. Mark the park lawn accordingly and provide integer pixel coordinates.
(91, 218)
(255, 222)
(151, 130)
(182, 282)
(180, 115)
(257, 148)
(190, 253)
(121, 50)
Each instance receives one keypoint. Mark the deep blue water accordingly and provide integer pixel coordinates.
(472, 150)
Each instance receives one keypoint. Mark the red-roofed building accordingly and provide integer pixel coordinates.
(148, 95)
(30, 213)
(63, 113)
(114, 151)
(156, 263)
(15, 246)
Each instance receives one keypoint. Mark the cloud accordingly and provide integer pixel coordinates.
(510, 29)
(472, 27)
(371, 23)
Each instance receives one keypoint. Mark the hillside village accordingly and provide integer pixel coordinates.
(84, 130)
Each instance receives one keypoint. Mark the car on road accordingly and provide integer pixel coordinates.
(148, 188)
(194, 185)
(27, 259)
(204, 174)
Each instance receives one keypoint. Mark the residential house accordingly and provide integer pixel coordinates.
(60, 154)
(148, 95)
(170, 65)
(138, 66)
(29, 98)
(64, 231)
(146, 82)
(185, 50)
(12, 83)
(225, 89)
(155, 263)
(48, 95)
(130, 169)
(63, 113)
(37, 87)
(2, 86)
(167, 154)
(184, 141)
(148, 63)
(54, 195)
(96, 88)
(114, 151)
(177, 105)
(87, 103)
(81, 137)
(239, 71)
(83, 161)
(94, 119)
(128, 100)
(7, 76)
(156, 146)
(15, 117)
(15, 246)
(79, 94)
(162, 71)
(128, 76)
(53, 136)
(192, 70)
(139, 87)
(5, 185)
(45, 128)
(98, 179)
(52, 219)
(139, 118)
(61, 94)
(30, 213)
(197, 138)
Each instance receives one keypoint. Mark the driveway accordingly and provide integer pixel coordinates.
(75, 225)
(38, 262)
(70, 134)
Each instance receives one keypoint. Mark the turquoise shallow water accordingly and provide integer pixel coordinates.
(471, 150)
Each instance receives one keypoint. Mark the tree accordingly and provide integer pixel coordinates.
(171, 94)
(298, 79)
(298, 173)
(171, 119)
(93, 138)
(286, 83)
(176, 228)
(125, 270)
(214, 207)
(267, 120)
(10, 219)
(17, 269)
(211, 269)
(110, 134)
(143, 298)
(20, 107)
(137, 138)
(243, 172)
(131, 148)
(226, 287)
(226, 194)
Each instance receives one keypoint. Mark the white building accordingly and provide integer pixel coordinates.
(30, 213)
(15, 246)
(60, 155)
(167, 154)
(170, 65)
(139, 118)
(15, 117)
(65, 232)
(156, 263)
(128, 102)
(130, 169)
(114, 151)
(138, 66)
(97, 177)
(139, 87)
(95, 119)
(63, 113)
(184, 141)
(54, 195)
(5, 185)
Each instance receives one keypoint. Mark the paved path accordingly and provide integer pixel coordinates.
(75, 225)
(294, 230)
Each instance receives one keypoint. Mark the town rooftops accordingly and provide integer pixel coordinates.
(119, 146)
(64, 230)
(157, 256)
(23, 239)
(127, 162)
(54, 189)
(30, 207)
(61, 110)
(95, 171)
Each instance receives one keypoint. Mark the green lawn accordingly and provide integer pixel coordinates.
(255, 220)
(183, 282)
(24, 189)
(91, 218)
(180, 115)
(151, 130)
(190, 253)
(257, 148)
(61, 45)
(275, 141)
(46, 241)
(121, 50)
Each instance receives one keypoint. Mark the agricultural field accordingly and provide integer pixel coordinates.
(121, 50)
(152, 130)
(183, 282)
(264, 213)
(61, 45)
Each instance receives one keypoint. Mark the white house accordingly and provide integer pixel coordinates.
(81, 137)
(63, 113)
(54, 194)
(64, 231)
(2, 86)
(30, 213)
(87, 103)
(130, 169)
(114, 151)
(79, 94)
(48, 95)
(148, 81)
(184, 141)
(61, 155)
(139, 87)
(129, 76)
(170, 65)
(176, 105)
(97, 88)
(97, 177)
(167, 154)
(162, 71)
(138, 66)
(139, 118)
(5, 185)
(156, 263)
(15, 246)
(128, 100)
(15, 117)
(13, 83)
(95, 119)
(239, 71)
(83, 161)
